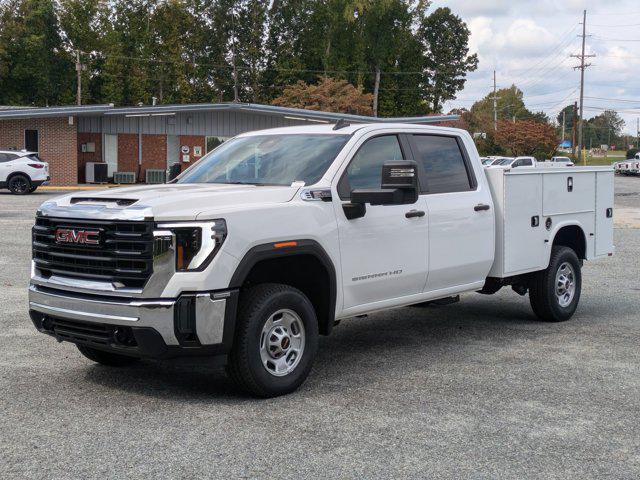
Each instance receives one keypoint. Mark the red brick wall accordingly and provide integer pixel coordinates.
(128, 152)
(85, 157)
(154, 154)
(57, 143)
(192, 141)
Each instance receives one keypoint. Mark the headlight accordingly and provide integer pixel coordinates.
(196, 242)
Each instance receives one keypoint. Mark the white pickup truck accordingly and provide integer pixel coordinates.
(272, 238)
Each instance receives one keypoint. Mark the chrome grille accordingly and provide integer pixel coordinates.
(124, 255)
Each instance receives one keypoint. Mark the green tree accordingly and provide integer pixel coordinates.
(445, 40)
(603, 129)
(566, 113)
(35, 69)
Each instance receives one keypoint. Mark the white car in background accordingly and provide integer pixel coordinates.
(495, 161)
(21, 171)
(517, 162)
(561, 162)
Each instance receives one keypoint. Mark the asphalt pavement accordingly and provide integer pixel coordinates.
(478, 389)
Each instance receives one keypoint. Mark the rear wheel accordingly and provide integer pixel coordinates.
(276, 340)
(106, 358)
(555, 292)
(19, 185)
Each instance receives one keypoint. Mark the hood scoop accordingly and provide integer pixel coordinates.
(120, 202)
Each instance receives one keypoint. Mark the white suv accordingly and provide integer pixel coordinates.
(21, 171)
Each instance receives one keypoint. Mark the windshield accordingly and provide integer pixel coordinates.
(267, 160)
(505, 161)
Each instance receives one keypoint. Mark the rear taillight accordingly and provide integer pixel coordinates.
(36, 165)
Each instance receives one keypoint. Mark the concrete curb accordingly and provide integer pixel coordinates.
(53, 188)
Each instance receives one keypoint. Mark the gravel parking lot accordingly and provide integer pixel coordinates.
(479, 389)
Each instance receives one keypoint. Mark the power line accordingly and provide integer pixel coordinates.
(562, 43)
(607, 39)
(615, 26)
(615, 99)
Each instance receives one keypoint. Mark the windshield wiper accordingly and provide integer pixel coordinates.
(251, 183)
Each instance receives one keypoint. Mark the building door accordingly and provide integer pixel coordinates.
(31, 140)
(111, 153)
(173, 150)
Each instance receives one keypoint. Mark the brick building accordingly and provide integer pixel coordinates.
(137, 139)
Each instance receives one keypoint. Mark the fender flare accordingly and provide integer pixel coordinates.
(553, 234)
(268, 251)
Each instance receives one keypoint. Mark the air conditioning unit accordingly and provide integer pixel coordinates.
(156, 176)
(96, 172)
(124, 177)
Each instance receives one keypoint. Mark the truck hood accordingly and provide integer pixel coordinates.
(164, 202)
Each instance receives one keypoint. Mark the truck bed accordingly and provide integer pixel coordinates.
(531, 205)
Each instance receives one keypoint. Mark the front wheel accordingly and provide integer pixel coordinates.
(19, 185)
(555, 292)
(275, 342)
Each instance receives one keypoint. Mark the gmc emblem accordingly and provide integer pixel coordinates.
(86, 237)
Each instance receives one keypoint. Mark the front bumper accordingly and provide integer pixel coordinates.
(199, 323)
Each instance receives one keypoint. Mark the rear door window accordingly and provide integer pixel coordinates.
(443, 163)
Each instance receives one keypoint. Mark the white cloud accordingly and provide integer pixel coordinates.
(529, 43)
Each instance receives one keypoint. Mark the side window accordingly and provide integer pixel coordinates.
(4, 157)
(365, 168)
(443, 164)
(527, 163)
(518, 163)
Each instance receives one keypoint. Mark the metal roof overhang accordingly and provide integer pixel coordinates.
(164, 110)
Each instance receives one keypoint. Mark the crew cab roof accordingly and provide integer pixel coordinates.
(328, 129)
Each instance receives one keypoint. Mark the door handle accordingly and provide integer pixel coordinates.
(414, 214)
(481, 206)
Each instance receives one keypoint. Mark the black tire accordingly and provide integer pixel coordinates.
(107, 358)
(245, 366)
(33, 189)
(19, 184)
(542, 291)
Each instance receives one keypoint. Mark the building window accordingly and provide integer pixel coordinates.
(31, 140)
(214, 142)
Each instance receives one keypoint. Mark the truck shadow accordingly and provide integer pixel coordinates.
(360, 350)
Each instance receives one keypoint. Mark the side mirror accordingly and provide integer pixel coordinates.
(399, 186)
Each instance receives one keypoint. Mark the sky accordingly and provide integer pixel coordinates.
(529, 44)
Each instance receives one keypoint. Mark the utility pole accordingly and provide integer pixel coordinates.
(78, 79)
(495, 103)
(233, 57)
(582, 68)
(573, 129)
(638, 133)
(563, 123)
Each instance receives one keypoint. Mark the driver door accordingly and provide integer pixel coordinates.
(384, 253)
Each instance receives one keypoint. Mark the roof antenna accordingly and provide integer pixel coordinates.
(341, 123)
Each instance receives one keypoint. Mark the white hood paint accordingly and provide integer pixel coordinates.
(169, 201)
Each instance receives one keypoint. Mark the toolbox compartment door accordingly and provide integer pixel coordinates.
(523, 238)
(570, 192)
(604, 214)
